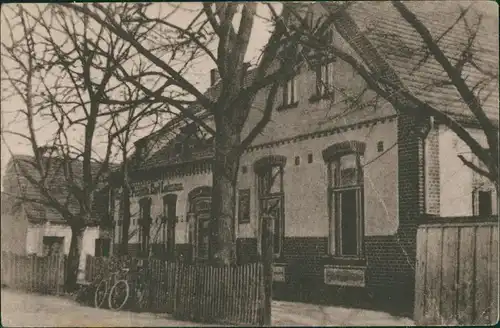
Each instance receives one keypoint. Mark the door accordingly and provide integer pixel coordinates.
(348, 222)
(202, 207)
(102, 246)
(203, 238)
(273, 206)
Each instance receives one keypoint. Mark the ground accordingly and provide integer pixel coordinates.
(22, 310)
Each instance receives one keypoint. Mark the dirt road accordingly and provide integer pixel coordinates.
(31, 310)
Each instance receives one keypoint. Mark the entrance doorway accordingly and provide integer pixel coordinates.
(200, 200)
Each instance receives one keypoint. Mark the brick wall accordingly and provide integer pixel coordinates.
(432, 173)
(390, 259)
(411, 206)
(387, 275)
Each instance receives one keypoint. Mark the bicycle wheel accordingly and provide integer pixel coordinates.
(100, 293)
(118, 295)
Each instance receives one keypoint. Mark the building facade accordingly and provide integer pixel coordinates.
(31, 228)
(346, 186)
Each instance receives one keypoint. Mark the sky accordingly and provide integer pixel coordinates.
(199, 76)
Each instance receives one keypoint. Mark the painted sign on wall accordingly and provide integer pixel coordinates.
(172, 187)
(344, 276)
(278, 273)
(153, 187)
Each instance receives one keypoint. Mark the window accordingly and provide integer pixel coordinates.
(297, 160)
(310, 158)
(144, 224)
(290, 92)
(324, 80)
(310, 18)
(380, 146)
(485, 204)
(271, 181)
(244, 206)
(24, 188)
(482, 203)
(271, 196)
(169, 223)
(345, 198)
(53, 245)
(102, 247)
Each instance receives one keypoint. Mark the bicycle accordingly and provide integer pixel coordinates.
(119, 288)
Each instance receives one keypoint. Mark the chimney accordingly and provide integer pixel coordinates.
(214, 76)
(42, 150)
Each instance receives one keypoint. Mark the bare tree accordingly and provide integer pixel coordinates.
(63, 69)
(226, 27)
(458, 71)
(136, 124)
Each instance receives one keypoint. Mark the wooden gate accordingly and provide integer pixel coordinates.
(456, 279)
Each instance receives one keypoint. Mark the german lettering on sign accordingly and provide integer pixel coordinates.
(172, 187)
(345, 276)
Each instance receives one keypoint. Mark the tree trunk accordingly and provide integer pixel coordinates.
(126, 219)
(75, 250)
(225, 173)
(267, 257)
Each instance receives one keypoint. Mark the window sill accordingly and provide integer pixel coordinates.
(317, 98)
(287, 106)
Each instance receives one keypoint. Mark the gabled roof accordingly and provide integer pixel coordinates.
(403, 48)
(16, 184)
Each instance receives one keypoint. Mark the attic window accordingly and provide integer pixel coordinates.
(380, 146)
(324, 81)
(310, 19)
(290, 92)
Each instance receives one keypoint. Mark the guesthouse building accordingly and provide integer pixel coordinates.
(346, 183)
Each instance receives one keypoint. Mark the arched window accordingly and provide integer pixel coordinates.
(345, 198)
(271, 195)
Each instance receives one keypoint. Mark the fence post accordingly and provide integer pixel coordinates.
(267, 264)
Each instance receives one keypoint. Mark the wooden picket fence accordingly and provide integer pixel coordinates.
(34, 273)
(229, 294)
(161, 278)
(204, 293)
(456, 281)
